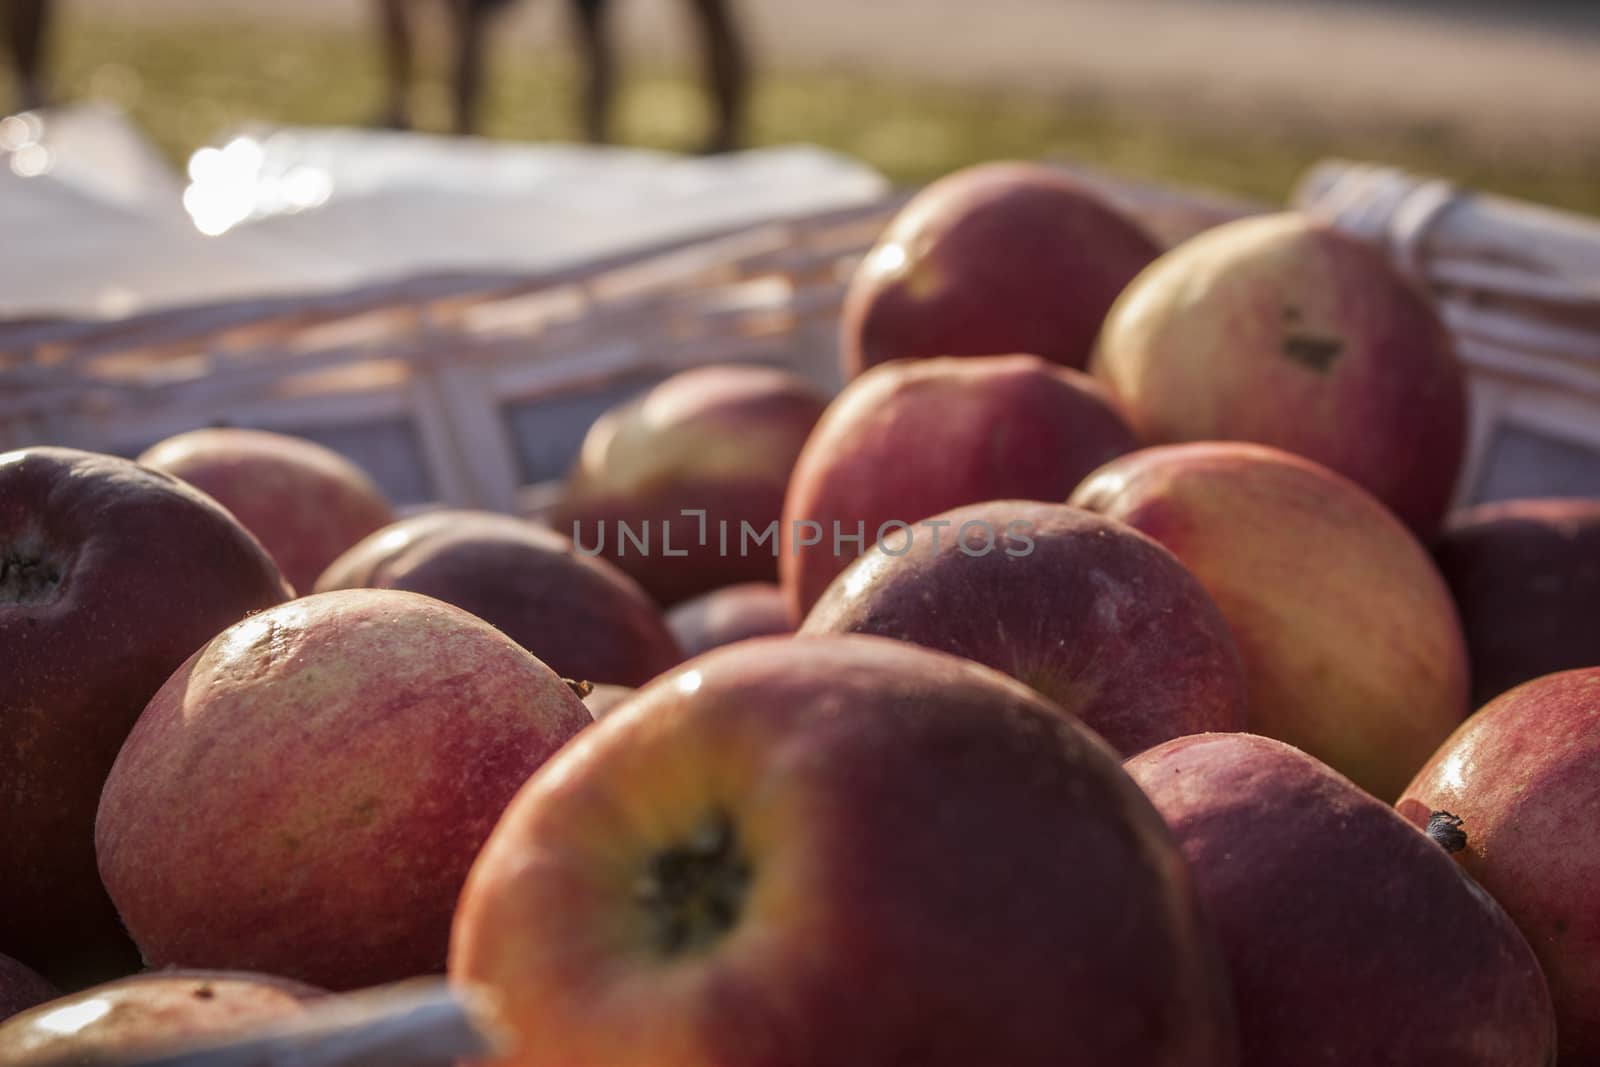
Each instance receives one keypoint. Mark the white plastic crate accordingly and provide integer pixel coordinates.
(475, 390)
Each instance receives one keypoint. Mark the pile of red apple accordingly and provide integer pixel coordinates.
(1089, 682)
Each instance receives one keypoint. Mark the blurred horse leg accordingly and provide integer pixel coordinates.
(471, 23)
(726, 71)
(599, 70)
(397, 55)
(27, 24)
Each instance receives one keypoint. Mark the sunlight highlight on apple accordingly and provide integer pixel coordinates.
(75, 1017)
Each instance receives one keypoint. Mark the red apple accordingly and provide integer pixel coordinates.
(665, 484)
(840, 850)
(147, 1013)
(305, 795)
(1093, 614)
(110, 575)
(913, 438)
(1286, 332)
(21, 988)
(1351, 645)
(1525, 575)
(1351, 937)
(1522, 776)
(732, 613)
(579, 614)
(999, 257)
(305, 502)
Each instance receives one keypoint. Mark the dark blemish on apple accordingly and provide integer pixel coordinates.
(1446, 831)
(1316, 353)
(27, 579)
(204, 992)
(692, 893)
(1291, 313)
(366, 811)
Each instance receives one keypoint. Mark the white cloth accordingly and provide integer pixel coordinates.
(96, 225)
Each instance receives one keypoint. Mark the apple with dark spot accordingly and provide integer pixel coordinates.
(1520, 783)
(1284, 331)
(1351, 936)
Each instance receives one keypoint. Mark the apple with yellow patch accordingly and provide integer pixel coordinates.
(816, 851)
(1352, 648)
(305, 795)
(1287, 332)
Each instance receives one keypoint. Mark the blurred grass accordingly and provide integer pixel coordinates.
(188, 83)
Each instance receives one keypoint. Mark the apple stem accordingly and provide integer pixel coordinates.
(581, 688)
(1446, 831)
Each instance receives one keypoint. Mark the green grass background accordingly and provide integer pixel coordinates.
(188, 83)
